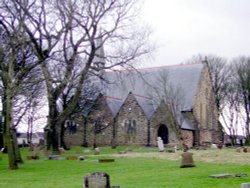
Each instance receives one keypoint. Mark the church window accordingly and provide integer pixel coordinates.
(71, 126)
(130, 126)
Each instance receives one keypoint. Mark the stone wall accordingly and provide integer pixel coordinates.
(162, 117)
(188, 137)
(205, 110)
(74, 138)
(101, 118)
(85, 134)
(132, 124)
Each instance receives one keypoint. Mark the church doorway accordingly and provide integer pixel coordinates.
(163, 133)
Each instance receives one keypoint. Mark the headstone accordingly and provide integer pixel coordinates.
(228, 175)
(220, 145)
(187, 160)
(97, 180)
(213, 146)
(245, 150)
(55, 157)
(61, 150)
(160, 144)
(122, 152)
(81, 158)
(245, 185)
(221, 176)
(238, 149)
(106, 160)
(97, 151)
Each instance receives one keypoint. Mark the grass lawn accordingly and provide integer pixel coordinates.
(139, 168)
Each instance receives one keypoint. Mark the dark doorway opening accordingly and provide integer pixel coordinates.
(163, 133)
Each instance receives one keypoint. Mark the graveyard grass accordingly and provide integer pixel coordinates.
(139, 168)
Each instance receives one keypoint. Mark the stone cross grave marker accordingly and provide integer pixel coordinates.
(97, 180)
(160, 144)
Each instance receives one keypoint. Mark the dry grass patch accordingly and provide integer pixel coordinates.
(225, 155)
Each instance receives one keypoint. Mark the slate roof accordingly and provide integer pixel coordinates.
(185, 77)
(146, 104)
(186, 124)
(114, 104)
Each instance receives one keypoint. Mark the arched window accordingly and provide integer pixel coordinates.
(130, 126)
(71, 126)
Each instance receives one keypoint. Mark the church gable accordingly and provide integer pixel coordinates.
(205, 110)
(99, 129)
(160, 118)
(132, 123)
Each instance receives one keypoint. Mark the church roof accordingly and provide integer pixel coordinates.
(114, 104)
(186, 124)
(146, 105)
(144, 81)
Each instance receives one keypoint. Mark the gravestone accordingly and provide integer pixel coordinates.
(106, 160)
(245, 150)
(97, 151)
(187, 160)
(81, 158)
(122, 152)
(160, 144)
(245, 185)
(97, 180)
(238, 149)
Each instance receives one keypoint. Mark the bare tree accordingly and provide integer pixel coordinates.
(231, 113)
(242, 74)
(64, 31)
(16, 62)
(219, 73)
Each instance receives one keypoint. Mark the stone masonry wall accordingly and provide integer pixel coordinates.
(162, 117)
(75, 138)
(205, 110)
(101, 115)
(188, 137)
(132, 124)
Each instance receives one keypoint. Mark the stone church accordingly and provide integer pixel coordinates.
(176, 103)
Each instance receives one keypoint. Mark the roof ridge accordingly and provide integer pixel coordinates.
(161, 66)
(149, 98)
(175, 65)
(110, 97)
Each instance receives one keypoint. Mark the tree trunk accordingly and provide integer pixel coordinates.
(54, 140)
(62, 143)
(9, 133)
(85, 143)
(17, 150)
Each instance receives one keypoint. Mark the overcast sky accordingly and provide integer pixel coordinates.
(183, 28)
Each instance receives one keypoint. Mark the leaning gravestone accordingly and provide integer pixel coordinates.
(187, 160)
(97, 180)
(160, 144)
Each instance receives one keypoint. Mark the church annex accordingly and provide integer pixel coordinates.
(135, 107)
